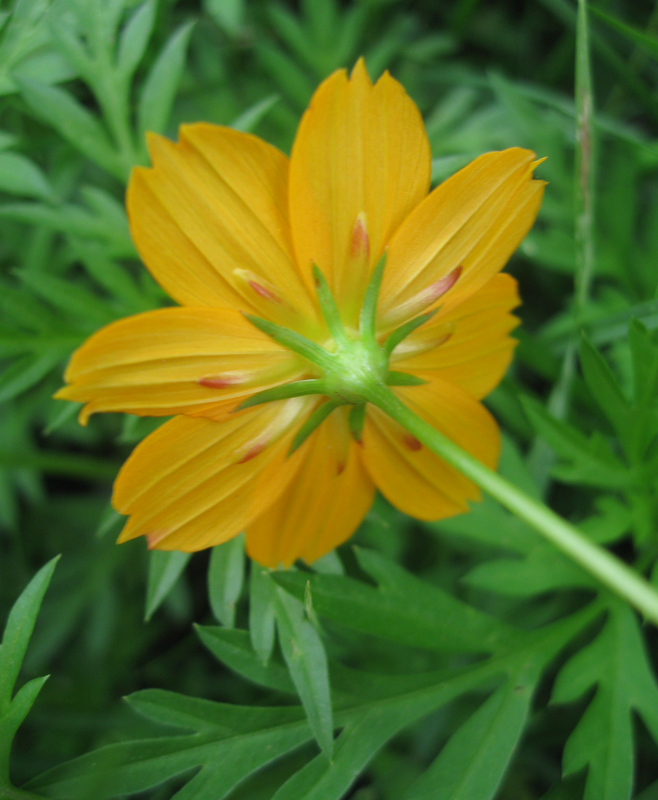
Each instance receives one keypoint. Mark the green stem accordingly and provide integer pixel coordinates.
(601, 564)
(542, 458)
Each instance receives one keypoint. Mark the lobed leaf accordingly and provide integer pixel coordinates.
(588, 461)
(473, 762)
(616, 663)
(402, 608)
(72, 121)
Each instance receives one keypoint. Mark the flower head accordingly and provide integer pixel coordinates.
(299, 281)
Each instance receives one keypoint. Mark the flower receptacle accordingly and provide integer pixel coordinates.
(356, 367)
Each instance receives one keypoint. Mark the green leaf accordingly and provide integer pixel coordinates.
(16, 638)
(473, 762)
(134, 38)
(644, 358)
(402, 608)
(228, 14)
(372, 723)
(72, 299)
(107, 208)
(22, 177)
(250, 118)
(644, 40)
(73, 122)
(64, 30)
(322, 18)
(604, 387)
(18, 631)
(71, 219)
(286, 73)
(232, 647)
(588, 461)
(261, 612)
(567, 14)
(165, 568)
(304, 654)
(103, 22)
(225, 577)
(542, 568)
(231, 742)
(644, 422)
(26, 372)
(11, 720)
(197, 714)
(329, 564)
(617, 664)
(357, 744)
(288, 26)
(27, 49)
(161, 85)
(112, 276)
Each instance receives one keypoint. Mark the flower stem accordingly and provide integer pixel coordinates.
(609, 570)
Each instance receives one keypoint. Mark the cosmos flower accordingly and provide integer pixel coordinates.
(272, 261)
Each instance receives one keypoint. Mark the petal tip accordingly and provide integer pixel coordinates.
(360, 71)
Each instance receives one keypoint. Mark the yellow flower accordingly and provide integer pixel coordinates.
(229, 227)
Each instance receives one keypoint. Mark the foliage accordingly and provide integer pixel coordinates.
(461, 659)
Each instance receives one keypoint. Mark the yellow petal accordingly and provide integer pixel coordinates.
(360, 163)
(468, 227)
(195, 483)
(322, 505)
(210, 222)
(407, 473)
(197, 361)
(469, 345)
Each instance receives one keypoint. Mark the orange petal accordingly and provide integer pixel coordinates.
(197, 361)
(212, 209)
(195, 483)
(360, 163)
(472, 222)
(322, 505)
(411, 476)
(469, 345)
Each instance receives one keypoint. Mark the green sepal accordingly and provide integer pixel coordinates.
(328, 306)
(403, 379)
(401, 333)
(368, 315)
(357, 417)
(295, 389)
(293, 341)
(313, 422)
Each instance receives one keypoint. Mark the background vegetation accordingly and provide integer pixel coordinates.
(466, 658)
